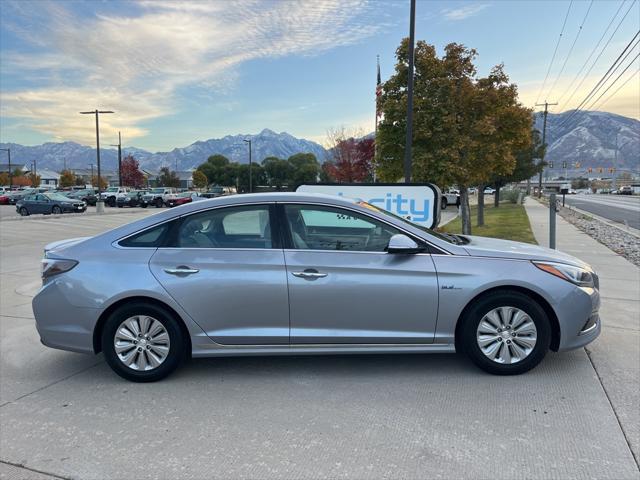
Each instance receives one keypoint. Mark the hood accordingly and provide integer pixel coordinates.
(494, 247)
(62, 244)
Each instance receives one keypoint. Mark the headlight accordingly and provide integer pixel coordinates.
(54, 266)
(576, 275)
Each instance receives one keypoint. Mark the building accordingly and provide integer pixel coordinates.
(48, 178)
(110, 176)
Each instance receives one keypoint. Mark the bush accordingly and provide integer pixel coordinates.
(510, 196)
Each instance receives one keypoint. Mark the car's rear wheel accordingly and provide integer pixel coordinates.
(505, 333)
(24, 212)
(142, 342)
(56, 210)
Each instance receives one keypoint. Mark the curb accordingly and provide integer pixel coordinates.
(631, 231)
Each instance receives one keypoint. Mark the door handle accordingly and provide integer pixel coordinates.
(309, 274)
(181, 270)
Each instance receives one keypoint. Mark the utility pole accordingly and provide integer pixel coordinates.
(35, 169)
(91, 181)
(250, 167)
(96, 112)
(8, 150)
(409, 140)
(544, 139)
(119, 145)
(615, 164)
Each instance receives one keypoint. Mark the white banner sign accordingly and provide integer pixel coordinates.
(417, 203)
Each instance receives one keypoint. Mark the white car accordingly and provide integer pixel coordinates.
(489, 191)
(452, 197)
(110, 195)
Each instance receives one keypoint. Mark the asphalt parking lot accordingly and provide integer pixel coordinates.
(66, 415)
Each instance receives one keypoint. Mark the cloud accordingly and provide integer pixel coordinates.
(462, 13)
(137, 63)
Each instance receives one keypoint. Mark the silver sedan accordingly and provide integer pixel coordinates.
(289, 273)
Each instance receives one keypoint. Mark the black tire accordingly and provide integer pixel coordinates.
(24, 212)
(144, 205)
(177, 340)
(158, 202)
(56, 210)
(467, 332)
(443, 203)
(111, 201)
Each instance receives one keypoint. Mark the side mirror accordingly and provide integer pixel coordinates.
(400, 243)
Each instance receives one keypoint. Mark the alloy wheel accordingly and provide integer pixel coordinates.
(141, 343)
(506, 335)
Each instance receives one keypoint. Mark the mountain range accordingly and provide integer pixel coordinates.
(588, 138)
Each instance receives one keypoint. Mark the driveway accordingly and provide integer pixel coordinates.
(375, 416)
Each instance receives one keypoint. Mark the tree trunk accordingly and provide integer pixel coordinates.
(496, 195)
(480, 205)
(465, 212)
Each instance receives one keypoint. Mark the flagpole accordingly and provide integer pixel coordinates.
(375, 134)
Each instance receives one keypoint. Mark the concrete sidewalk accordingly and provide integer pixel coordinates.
(615, 356)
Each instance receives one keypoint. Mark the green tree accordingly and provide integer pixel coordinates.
(216, 169)
(4, 178)
(200, 180)
(79, 180)
(305, 169)
(527, 165)
(278, 171)
(67, 178)
(258, 176)
(466, 129)
(168, 178)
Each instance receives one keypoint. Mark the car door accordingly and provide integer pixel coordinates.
(226, 270)
(39, 203)
(345, 288)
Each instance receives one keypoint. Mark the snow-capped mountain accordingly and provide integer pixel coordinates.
(589, 138)
(57, 156)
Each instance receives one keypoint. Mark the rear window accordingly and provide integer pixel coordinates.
(151, 238)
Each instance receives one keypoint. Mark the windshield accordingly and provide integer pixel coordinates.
(445, 237)
(157, 190)
(112, 189)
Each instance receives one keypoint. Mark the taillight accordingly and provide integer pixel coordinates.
(55, 266)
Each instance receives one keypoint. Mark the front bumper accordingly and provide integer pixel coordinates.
(579, 319)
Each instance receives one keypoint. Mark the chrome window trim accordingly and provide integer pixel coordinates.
(116, 243)
(410, 234)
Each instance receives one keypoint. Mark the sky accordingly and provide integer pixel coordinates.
(176, 72)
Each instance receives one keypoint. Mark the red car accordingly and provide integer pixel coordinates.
(4, 199)
(182, 198)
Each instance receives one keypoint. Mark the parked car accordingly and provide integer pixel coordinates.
(5, 198)
(452, 197)
(293, 273)
(110, 195)
(46, 203)
(182, 198)
(625, 190)
(155, 196)
(88, 196)
(489, 191)
(219, 191)
(17, 195)
(131, 199)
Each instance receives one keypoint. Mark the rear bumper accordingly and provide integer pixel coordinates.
(63, 325)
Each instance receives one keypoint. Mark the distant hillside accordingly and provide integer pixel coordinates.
(54, 156)
(590, 139)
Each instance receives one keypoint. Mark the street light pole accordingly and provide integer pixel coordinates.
(99, 203)
(8, 150)
(409, 140)
(119, 145)
(250, 167)
(544, 140)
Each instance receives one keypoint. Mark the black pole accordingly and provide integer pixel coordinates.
(250, 170)
(98, 151)
(409, 140)
(119, 160)
(10, 172)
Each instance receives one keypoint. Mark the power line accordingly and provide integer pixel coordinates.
(555, 51)
(601, 52)
(606, 100)
(592, 51)
(615, 81)
(564, 64)
(601, 82)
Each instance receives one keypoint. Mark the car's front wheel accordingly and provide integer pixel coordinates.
(443, 203)
(142, 342)
(158, 202)
(505, 333)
